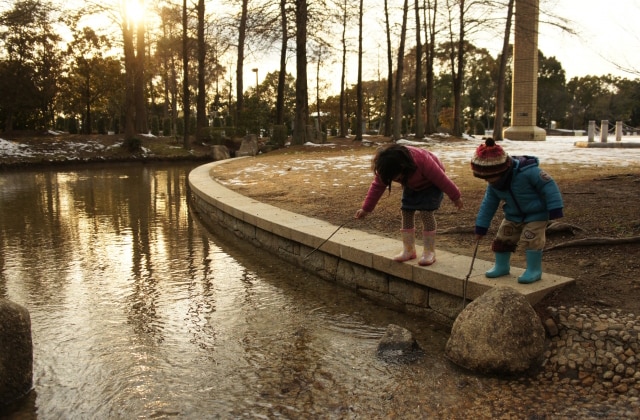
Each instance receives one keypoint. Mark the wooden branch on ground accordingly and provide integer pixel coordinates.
(457, 229)
(555, 227)
(595, 241)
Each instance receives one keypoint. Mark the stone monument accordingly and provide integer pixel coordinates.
(524, 93)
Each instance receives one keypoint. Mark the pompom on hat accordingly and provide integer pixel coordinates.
(489, 160)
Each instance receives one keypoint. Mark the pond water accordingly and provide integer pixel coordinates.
(137, 311)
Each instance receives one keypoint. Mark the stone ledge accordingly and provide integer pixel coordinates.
(364, 249)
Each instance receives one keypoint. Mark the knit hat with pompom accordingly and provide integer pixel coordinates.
(489, 160)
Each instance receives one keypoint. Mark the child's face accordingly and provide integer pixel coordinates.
(493, 179)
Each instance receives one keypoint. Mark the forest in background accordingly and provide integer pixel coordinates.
(177, 69)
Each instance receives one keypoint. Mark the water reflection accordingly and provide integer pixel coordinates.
(137, 311)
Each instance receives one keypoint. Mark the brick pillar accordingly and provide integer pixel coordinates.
(524, 100)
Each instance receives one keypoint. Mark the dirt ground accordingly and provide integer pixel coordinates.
(602, 205)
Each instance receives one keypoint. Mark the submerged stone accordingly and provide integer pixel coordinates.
(398, 344)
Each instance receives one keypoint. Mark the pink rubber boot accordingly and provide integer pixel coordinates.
(409, 244)
(429, 254)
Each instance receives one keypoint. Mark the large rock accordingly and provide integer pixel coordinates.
(16, 352)
(220, 152)
(249, 146)
(497, 333)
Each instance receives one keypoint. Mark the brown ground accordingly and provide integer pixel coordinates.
(599, 203)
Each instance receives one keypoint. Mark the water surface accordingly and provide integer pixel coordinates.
(137, 311)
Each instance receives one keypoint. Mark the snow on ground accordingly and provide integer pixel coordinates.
(455, 155)
(17, 150)
(555, 150)
(9, 148)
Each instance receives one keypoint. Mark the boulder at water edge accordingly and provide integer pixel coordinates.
(16, 352)
(220, 152)
(499, 332)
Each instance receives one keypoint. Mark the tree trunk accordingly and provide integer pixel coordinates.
(359, 96)
(201, 105)
(242, 33)
(186, 105)
(397, 121)
(499, 120)
(302, 105)
(283, 64)
(87, 120)
(343, 95)
(129, 66)
(318, 110)
(140, 99)
(419, 126)
(431, 126)
(389, 105)
(458, 76)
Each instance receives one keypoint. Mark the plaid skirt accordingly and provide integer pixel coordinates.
(428, 199)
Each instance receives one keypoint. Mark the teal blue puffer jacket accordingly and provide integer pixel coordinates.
(531, 195)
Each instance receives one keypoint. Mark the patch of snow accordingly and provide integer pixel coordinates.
(457, 155)
(9, 148)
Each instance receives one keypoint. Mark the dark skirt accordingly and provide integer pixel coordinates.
(428, 199)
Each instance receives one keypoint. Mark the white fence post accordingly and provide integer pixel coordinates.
(604, 130)
(618, 130)
(591, 130)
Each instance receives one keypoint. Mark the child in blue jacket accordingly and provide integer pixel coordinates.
(531, 198)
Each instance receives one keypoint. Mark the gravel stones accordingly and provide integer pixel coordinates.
(594, 349)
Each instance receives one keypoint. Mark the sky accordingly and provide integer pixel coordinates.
(608, 36)
(607, 39)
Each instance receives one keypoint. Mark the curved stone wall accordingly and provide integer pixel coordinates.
(352, 258)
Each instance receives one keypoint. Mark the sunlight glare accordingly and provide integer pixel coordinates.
(134, 10)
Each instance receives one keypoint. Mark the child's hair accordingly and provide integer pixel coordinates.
(392, 161)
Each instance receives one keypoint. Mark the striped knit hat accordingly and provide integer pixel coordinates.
(489, 160)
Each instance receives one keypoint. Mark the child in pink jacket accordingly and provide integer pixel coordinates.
(423, 179)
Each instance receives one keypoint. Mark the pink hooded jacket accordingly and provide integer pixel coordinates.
(430, 171)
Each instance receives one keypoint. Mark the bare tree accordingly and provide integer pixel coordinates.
(419, 125)
(242, 33)
(302, 103)
(397, 121)
(389, 95)
(201, 105)
(345, 17)
(284, 30)
(499, 120)
(359, 98)
(130, 80)
(456, 57)
(186, 105)
(431, 11)
(139, 83)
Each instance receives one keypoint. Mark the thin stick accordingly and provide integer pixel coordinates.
(466, 280)
(325, 241)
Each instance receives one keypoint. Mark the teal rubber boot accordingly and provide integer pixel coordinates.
(501, 267)
(533, 272)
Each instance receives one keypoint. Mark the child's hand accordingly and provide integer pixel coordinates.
(361, 214)
(458, 203)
